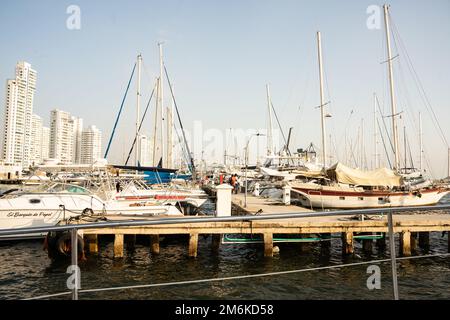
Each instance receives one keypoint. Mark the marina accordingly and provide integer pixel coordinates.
(166, 210)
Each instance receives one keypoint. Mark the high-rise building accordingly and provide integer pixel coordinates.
(61, 136)
(144, 150)
(45, 151)
(36, 140)
(18, 115)
(76, 140)
(91, 145)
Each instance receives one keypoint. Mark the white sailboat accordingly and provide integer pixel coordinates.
(346, 188)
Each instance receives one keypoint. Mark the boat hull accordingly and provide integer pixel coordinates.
(46, 210)
(338, 199)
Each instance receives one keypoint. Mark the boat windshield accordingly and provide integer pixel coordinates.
(61, 188)
(67, 188)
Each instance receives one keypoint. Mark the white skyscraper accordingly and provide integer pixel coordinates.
(145, 157)
(61, 136)
(45, 151)
(18, 114)
(91, 145)
(36, 140)
(76, 142)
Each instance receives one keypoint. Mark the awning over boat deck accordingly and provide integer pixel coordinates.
(378, 177)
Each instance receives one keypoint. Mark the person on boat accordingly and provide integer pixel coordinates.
(238, 185)
(233, 181)
(118, 187)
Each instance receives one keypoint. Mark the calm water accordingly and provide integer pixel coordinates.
(26, 271)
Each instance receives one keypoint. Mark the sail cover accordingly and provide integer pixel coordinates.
(378, 177)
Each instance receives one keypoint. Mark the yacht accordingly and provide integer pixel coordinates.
(51, 203)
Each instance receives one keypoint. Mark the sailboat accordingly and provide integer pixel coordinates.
(162, 170)
(346, 188)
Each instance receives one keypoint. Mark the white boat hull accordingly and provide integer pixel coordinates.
(339, 199)
(45, 210)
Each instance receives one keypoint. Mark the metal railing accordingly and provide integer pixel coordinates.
(73, 228)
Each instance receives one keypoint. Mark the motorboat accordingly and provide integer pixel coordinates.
(48, 204)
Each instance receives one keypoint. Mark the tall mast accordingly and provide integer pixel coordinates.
(270, 149)
(404, 145)
(362, 144)
(421, 143)
(138, 107)
(375, 129)
(448, 169)
(155, 124)
(161, 102)
(170, 131)
(322, 101)
(391, 82)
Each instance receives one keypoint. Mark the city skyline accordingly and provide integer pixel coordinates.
(247, 52)
(26, 141)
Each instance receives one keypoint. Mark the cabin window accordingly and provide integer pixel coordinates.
(380, 199)
(360, 198)
(341, 198)
(35, 200)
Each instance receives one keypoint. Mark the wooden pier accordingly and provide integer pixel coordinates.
(413, 229)
(409, 227)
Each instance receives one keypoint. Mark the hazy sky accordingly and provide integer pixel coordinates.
(221, 54)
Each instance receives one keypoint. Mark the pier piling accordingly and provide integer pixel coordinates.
(154, 243)
(215, 242)
(130, 240)
(367, 245)
(414, 241)
(268, 245)
(424, 240)
(405, 243)
(347, 243)
(448, 240)
(325, 244)
(381, 243)
(92, 242)
(193, 244)
(118, 245)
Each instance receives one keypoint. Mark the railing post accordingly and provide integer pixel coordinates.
(393, 257)
(74, 250)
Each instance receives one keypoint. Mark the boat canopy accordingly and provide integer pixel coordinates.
(377, 177)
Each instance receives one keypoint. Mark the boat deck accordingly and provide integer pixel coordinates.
(264, 205)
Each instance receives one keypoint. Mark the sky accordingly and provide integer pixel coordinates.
(221, 54)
